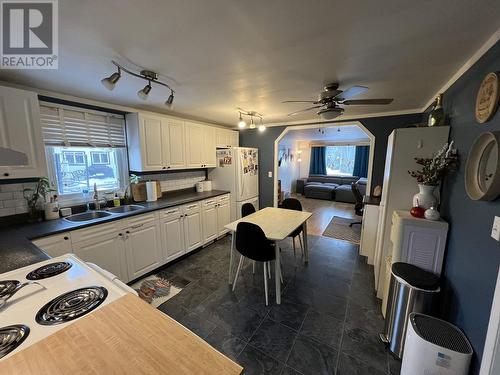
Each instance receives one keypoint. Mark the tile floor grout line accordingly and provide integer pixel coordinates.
(295, 339)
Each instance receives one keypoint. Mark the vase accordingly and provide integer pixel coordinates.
(425, 198)
(432, 214)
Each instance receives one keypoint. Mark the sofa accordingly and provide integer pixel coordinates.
(337, 188)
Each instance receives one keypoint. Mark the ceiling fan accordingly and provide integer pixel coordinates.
(331, 98)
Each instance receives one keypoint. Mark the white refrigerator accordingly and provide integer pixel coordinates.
(398, 188)
(237, 170)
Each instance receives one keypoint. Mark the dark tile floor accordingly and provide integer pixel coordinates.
(328, 322)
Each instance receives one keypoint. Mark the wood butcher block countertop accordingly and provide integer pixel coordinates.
(127, 336)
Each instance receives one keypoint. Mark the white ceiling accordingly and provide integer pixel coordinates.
(342, 134)
(221, 54)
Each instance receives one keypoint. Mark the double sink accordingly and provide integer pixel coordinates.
(98, 214)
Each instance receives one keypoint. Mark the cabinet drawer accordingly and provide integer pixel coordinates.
(191, 208)
(171, 213)
(142, 220)
(224, 198)
(95, 231)
(209, 203)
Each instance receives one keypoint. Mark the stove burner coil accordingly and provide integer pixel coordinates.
(71, 305)
(11, 337)
(48, 270)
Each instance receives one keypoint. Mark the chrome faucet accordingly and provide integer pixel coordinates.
(97, 204)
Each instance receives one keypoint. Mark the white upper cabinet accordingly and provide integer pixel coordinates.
(20, 130)
(175, 145)
(194, 145)
(226, 138)
(209, 151)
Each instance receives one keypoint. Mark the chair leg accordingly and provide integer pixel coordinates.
(301, 243)
(253, 267)
(238, 271)
(269, 269)
(281, 274)
(265, 282)
(293, 241)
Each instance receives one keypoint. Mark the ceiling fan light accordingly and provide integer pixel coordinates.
(242, 124)
(110, 82)
(143, 94)
(262, 127)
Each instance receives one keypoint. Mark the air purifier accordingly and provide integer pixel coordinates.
(435, 347)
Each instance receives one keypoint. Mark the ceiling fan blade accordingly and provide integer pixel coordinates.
(304, 110)
(301, 101)
(368, 101)
(350, 92)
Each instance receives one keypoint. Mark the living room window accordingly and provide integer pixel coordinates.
(84, 148)
(340, 160)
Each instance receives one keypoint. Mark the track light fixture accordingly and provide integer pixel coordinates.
(148, 75)
(143, 93)
(242, 124)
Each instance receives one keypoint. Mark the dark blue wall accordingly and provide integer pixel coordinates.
(473, 257)
(381, 127)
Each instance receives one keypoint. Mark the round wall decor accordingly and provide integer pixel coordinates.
(487, 97)
(482, 171)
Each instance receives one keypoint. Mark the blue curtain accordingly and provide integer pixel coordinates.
(361, 161)
(318, 161)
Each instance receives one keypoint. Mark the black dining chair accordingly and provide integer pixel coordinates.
(359, 206)
(247, 209)
(251, 243)
(294, 204)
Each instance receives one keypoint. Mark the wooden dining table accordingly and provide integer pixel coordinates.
(277, 224)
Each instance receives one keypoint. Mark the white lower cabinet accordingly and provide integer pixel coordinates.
(172, 230)
(193, 233)
(209, 220)
(223, 214)
(56, 245)
(143, 245)
(107, 251)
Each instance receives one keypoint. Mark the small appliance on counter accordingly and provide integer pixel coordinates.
(207, 185)
(139, 191)
(200, 187)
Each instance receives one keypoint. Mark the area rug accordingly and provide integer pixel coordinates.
(340, 230)
(155, 289)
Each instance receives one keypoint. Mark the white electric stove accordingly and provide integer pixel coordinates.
(60, 291)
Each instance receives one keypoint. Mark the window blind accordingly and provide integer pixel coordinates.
(72, 126)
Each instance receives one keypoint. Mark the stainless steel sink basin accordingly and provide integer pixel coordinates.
(126, 208)
(87, 216)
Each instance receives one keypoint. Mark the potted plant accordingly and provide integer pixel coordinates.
(432, 172)
(33, 195)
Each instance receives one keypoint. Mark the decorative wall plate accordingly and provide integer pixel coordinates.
(487, 97)
(482, 171)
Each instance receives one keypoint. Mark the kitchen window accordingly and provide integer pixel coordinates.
(340, 160)
(84, 148)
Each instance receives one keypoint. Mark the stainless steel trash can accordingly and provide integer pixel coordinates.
(411, 289)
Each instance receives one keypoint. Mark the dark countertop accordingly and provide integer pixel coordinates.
(17, 250)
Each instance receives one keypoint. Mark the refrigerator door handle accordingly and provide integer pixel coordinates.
(242, 180)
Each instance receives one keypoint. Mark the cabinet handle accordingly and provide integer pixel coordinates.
(66, 238)
(6, 174)
(171, 212)
(136, 226)
(192, 206)
(127, 232)
(163, 167)
(120, 234)
(168, 167)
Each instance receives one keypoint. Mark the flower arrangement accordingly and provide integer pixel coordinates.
(33, 197)
(434, 169)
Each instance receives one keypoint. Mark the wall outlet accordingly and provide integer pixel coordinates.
(495, 230)
(270, 174)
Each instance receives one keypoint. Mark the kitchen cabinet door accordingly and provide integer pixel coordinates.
(209, 147)
(172, 229)
(222, 138)
(209, 220)
(143, 249)
(194, 145)
(175, 146)
(193, 233)
(20, 130)
(152, 132)
(107, 251)
(56, 245)
(223, 214)
(234, 138)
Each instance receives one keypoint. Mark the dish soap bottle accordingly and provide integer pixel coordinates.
(116, 200)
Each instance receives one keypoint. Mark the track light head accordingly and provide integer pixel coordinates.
(241, 124)
(110, 82)
(262, 128)
(252, 124)
(170, 99)
(143, 93)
